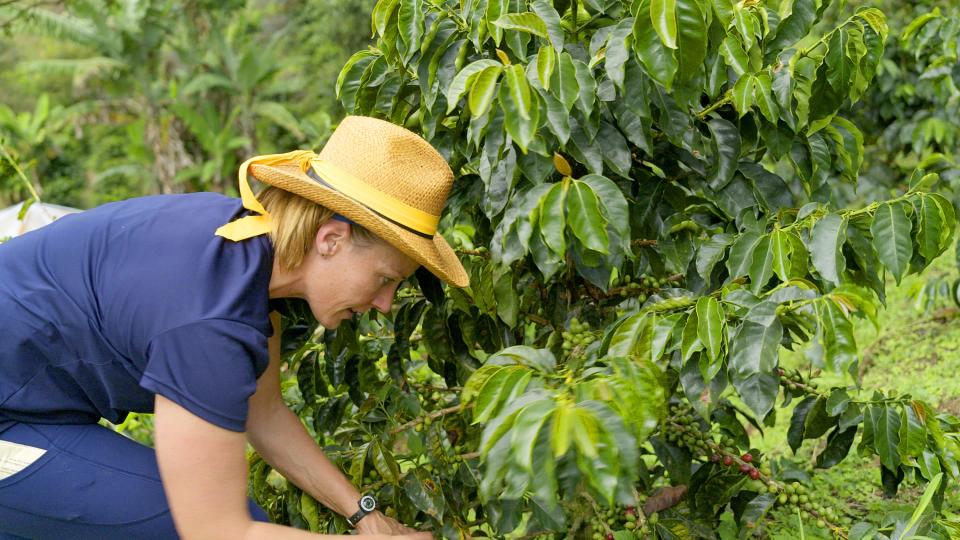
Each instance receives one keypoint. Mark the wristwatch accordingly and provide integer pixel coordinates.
(367, 504)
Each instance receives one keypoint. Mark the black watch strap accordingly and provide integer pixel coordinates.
(367, 504)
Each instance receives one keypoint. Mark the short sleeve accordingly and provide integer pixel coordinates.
(209, 367)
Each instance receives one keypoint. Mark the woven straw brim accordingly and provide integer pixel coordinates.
(434, 254)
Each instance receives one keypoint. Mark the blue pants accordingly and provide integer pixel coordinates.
(91, 483)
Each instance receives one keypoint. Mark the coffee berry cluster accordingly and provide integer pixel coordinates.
(611, 520)
(683, 428)
(639, 286)
(579, 335)
(794, 496)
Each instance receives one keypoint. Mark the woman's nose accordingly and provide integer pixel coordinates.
(383, 302)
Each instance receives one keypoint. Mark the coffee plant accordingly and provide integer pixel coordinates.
(644, 202)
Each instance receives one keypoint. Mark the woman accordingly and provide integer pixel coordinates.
(161, 304)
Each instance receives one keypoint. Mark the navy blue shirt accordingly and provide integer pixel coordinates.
(103, 309)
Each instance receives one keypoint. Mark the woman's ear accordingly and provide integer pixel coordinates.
(331, 237)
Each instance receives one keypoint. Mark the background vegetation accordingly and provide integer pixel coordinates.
(653, 197)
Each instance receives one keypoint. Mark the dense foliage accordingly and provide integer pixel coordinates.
(164, 96)
(655, 186)
(655, 199)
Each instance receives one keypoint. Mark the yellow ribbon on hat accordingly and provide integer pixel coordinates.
(382, 203)
(255, 225)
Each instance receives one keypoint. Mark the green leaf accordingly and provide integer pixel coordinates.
(758, 391)
(711, 252)
(508, 301)
(886, 435)
(690, 341)
(841, 348)
(913, 435)
(755, 348)
(798, 422)
(891, 238)
(743, 94)
(878, 22)
(410, 25)
(551, 20)
(841, 67)
(424, 493)
(763, 97)
(496, 391)
(933, 227)
(692, 38)
(525, 22)
(838, 446)
(585, 219)
(614, 205)
(792, 28)
(746, 25)
(588, 88)
(564, 82)
(761, 267)
(618, 51)
(734, 55)
(585, 431)
(658, 60)
(477, 380)
(308, 509)
(663, 14)
(381, 15)
(711, 325)
(560, 432)
(541, 360)
(520, 106)
(348, 82)
(464, 79)
(782, 249)
(553, 219)
(725, 142)
(741, 254)
(630, 333)
(482, 91)
(546, 62)
(826, 243)
(385, 463)
(526, 429)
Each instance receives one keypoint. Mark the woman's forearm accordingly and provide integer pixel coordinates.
(283, 442)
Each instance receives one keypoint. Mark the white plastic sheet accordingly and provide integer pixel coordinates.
(38, 215)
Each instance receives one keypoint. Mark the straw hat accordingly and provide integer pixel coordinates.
(379, 175)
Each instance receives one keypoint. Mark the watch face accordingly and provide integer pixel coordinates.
(368, 503)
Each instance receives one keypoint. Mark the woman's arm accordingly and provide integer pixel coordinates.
(204, 474)
(282, 441)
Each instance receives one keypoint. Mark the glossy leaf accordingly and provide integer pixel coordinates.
(710, 325)
(827, 238)
(551, 20)
(585, 219)
(663, 14)
(482, 90)
(553, 218)
(546, 62)
(520, 106)
(524, 22)
(734, 55)
(891, 238)
(464, 80)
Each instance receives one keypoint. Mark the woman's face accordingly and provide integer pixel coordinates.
(342, 278)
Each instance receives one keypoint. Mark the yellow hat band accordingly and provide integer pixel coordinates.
(383, 204)
(386, 206)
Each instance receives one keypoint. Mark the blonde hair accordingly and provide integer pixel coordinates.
(294, 225)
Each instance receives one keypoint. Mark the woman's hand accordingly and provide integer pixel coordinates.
(377, 523)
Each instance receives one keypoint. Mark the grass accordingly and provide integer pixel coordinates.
(911, 351)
